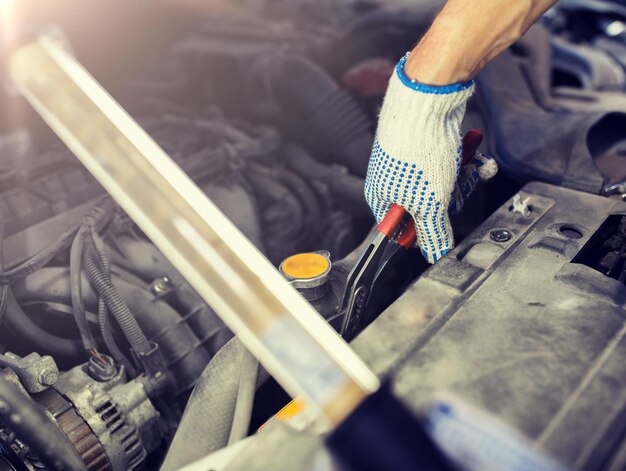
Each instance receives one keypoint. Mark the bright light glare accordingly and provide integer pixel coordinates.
(5, 6)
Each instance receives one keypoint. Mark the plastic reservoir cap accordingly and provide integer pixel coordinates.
(304, 266)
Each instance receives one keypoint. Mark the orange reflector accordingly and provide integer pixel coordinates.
(305, 265)
(288, 412)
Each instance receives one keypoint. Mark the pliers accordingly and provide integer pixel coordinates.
(396, 232)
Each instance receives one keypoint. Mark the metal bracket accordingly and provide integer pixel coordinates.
(37, 373)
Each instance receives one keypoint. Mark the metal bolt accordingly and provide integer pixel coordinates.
(160, 285)
(500, 235)
(48, 376)
(618, 188)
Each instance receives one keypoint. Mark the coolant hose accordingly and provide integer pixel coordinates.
(248, 375)
(33, 426)
(207, 423)
(184, 356)
(24, 328)
(328, 119)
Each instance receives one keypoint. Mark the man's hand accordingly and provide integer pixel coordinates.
(416, 159)
(467, 34)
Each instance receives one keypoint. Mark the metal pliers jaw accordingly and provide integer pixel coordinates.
(397, 230)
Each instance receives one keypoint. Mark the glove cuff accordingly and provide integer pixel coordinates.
(429, 89)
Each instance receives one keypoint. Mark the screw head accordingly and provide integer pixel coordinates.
(500, 235)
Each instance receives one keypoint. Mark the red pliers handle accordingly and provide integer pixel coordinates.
(396, 229)
(392, 221)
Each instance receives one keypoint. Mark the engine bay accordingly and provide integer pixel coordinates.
(270, 107)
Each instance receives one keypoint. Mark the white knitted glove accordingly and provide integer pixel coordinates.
(416, 158)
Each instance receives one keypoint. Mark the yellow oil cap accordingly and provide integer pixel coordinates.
(308, 273)
(304, 266)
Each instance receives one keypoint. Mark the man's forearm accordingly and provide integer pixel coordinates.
(467, 34)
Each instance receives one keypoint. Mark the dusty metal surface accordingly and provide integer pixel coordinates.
(521, 332)
(118, 413)
(527, 335)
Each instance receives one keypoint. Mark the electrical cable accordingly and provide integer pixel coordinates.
(78, 307)
(103, 313)
(124, 317)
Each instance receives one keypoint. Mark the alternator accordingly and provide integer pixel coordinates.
(113, 424)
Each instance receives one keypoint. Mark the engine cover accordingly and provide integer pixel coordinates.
(517, 323)
(514, 321)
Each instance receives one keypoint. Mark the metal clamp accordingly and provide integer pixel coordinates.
(37, 373)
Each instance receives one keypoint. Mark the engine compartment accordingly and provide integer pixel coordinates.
(270, 108)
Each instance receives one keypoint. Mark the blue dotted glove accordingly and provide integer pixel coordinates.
(416, 159)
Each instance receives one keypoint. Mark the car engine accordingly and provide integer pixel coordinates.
(270, 107)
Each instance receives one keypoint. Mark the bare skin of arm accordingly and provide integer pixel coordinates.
(467, 34)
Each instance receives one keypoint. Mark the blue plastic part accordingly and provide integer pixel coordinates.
(432, 89)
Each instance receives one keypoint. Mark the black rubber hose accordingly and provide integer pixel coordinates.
(24, 328)
(184, 356)
(78, 308)
(33, 426)
(43, 257)
(16, 319)
(122, 314)
(326, 119)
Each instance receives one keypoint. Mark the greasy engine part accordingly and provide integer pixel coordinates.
(29, 438)
(273, 320)
(111, 423)
(77, 430)
(517, 325)
(47, 293)
(36, 373)
(567, 155)
(584, 67)
(523, 328)
(258, 181)
(117, 412)
(279, 183)
(185, 356)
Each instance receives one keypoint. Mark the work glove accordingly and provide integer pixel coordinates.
(416, 159)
